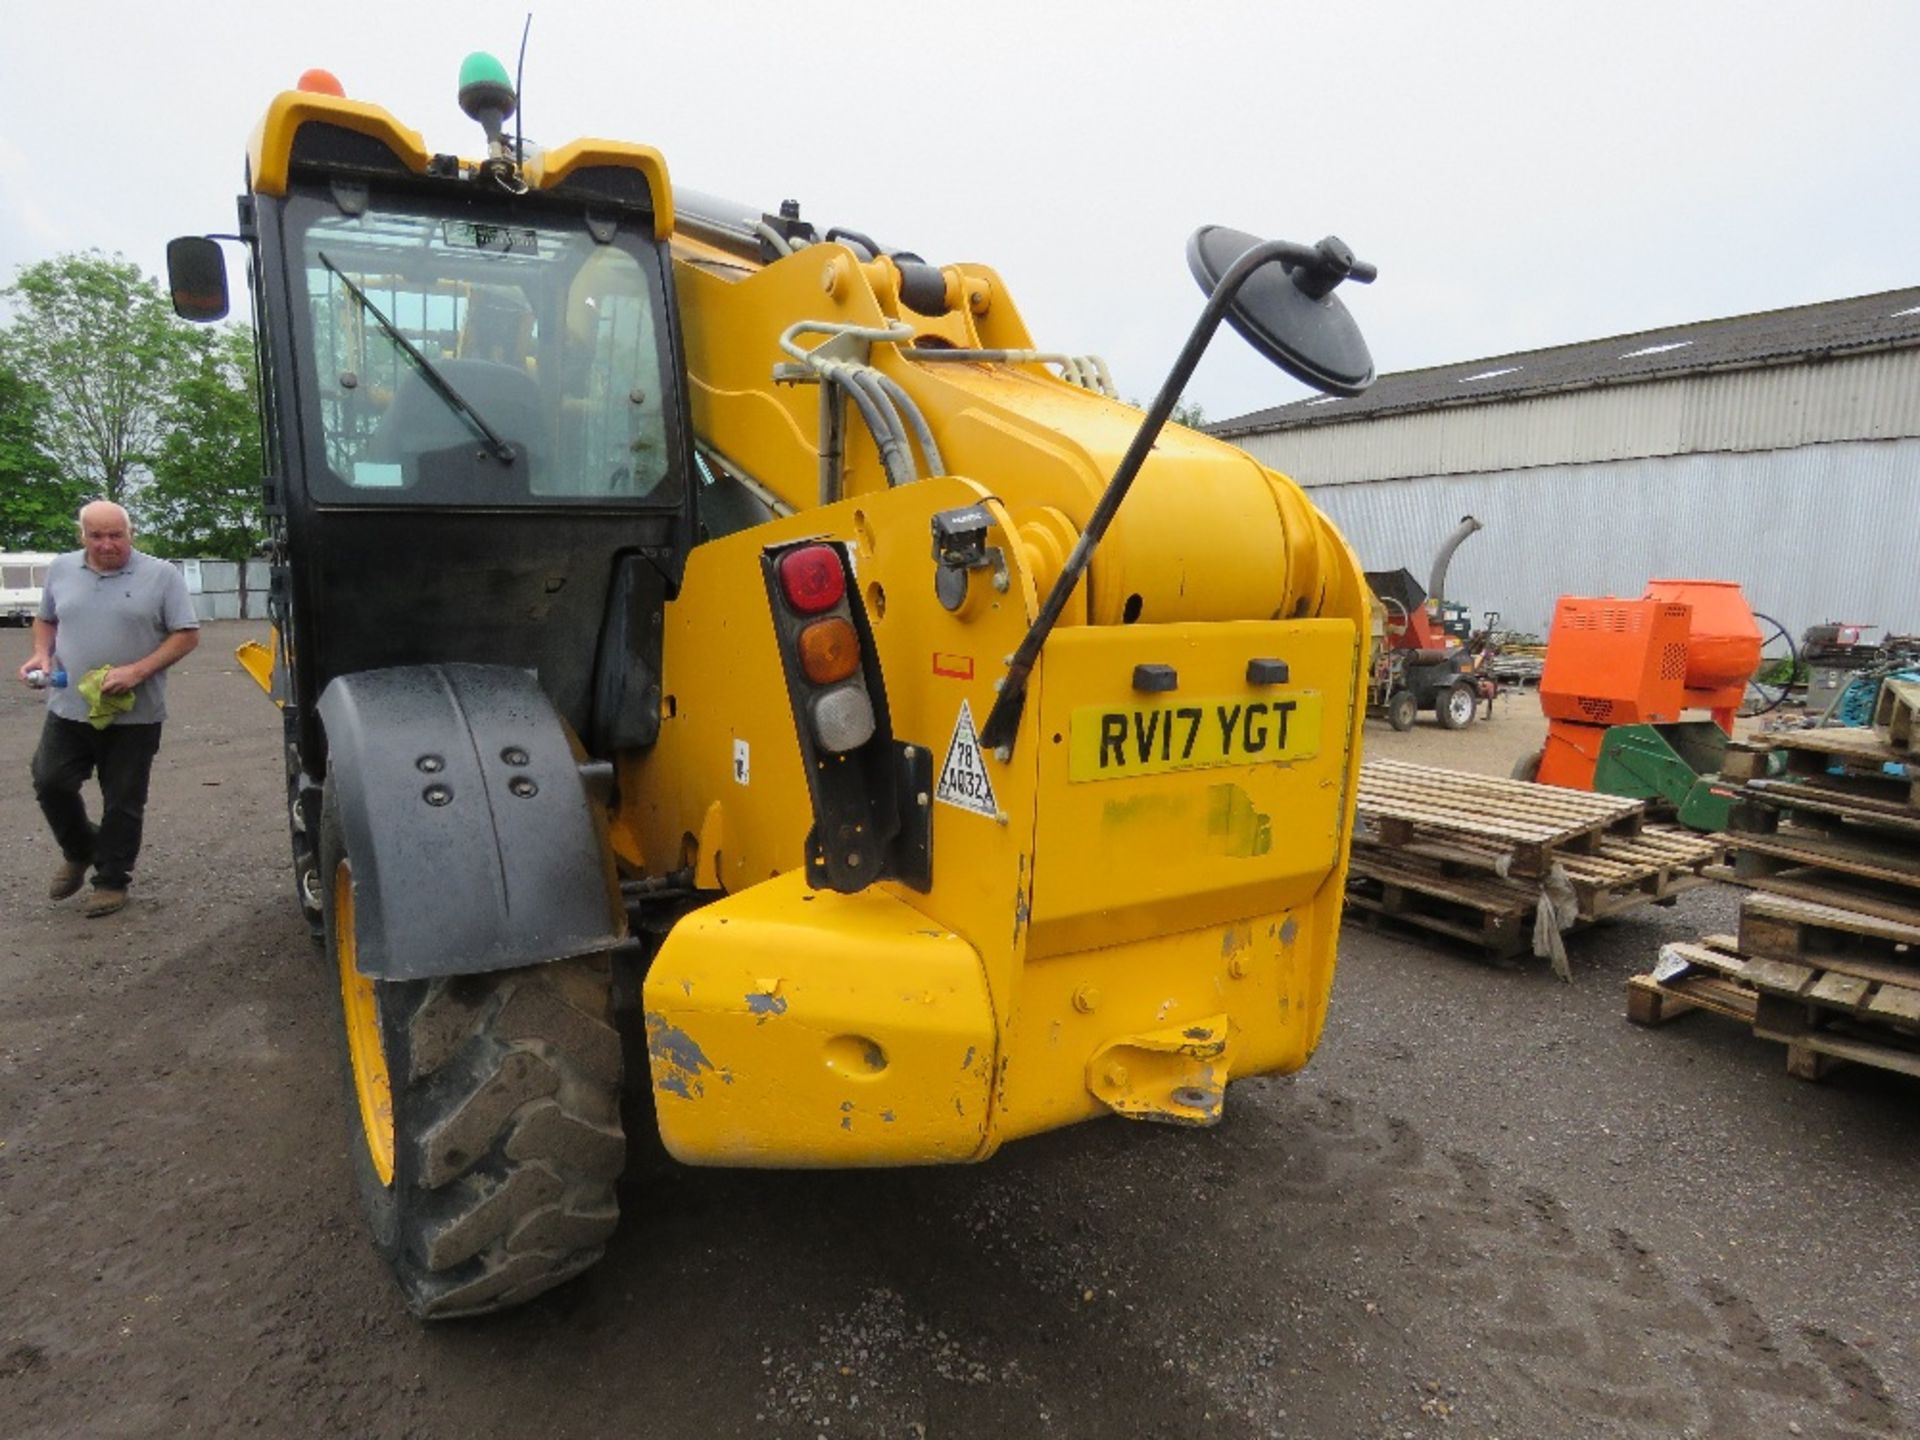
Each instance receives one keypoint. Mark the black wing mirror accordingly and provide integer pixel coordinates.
(1279, 296)
(1287, 310)
(197, 276)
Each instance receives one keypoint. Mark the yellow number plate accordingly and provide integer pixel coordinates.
(1111, 741)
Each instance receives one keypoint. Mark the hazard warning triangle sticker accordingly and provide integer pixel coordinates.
(963, 779)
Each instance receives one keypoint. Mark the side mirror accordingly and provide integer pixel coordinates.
(1287, 310)
(197, 276)
(1279, 296)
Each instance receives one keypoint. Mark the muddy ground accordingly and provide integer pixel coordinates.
(1490, 1207)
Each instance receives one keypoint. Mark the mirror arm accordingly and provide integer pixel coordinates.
(1003, 721)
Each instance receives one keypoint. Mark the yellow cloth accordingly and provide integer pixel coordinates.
(102, 708)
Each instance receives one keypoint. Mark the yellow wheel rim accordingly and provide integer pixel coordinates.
(364, 1050)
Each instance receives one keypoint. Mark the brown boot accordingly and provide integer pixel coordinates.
(105, 902)
(67, 880)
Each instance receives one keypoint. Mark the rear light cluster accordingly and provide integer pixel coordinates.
(833, 699)
(868, 823)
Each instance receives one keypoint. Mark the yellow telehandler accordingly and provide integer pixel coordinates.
(679, 608)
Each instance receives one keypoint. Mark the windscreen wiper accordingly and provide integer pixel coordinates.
(502, 451)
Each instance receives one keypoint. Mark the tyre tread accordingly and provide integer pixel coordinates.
(508, 1175)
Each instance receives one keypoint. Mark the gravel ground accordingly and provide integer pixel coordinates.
(1490, 1207)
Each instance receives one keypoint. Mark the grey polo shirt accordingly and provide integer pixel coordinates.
(113, 619)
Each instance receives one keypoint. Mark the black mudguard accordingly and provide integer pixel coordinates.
(474, 842)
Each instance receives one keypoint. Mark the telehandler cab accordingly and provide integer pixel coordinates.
(678, 607)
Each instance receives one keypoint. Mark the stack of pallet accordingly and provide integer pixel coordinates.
(1826, 832)
(1477, 858)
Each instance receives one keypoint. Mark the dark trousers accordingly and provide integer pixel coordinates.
(72, 750)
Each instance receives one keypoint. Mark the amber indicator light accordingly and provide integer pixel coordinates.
(829, 650)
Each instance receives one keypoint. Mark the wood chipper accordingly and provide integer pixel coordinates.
(1618, 676)
(1421, 657)
(680, 608)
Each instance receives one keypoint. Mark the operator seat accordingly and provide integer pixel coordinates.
(420, 421)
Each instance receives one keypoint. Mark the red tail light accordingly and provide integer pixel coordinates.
(812, 579)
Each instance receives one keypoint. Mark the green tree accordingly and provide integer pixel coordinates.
(1185, 412)
(100, 341)
(37, 504)
(204, 499)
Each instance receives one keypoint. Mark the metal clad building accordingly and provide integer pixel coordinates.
(1781, 450)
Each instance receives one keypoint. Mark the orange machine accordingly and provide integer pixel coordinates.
(1684, 645)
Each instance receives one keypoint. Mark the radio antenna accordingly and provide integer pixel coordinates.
(519, 105)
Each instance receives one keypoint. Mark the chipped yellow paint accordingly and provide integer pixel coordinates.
(1177, 1076)
(873, 1046)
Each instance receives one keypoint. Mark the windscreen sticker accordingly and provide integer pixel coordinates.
(503, 239)
(963, 779)
(378, 474)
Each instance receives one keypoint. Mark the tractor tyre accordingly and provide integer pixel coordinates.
(1402, 710)
(1527, 767)
(484, 1116)
(1456, 706)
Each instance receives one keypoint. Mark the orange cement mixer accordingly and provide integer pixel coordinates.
(1684, 645)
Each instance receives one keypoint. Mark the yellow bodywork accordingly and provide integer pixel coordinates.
(270, 152)
(1087, 946)
(260, 662)
(366, 1052)
(1115, 928)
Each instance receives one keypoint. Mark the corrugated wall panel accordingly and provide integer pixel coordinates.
(1824, 532)
(1867, 397)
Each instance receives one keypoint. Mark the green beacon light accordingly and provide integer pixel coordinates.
(486, 95)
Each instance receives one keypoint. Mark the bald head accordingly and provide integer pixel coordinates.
(106, 534)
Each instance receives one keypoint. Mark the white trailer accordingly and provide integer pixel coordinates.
(22, 577)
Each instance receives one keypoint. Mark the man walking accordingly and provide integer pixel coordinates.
(114, 619)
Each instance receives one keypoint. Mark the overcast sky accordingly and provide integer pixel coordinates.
(1523, 174)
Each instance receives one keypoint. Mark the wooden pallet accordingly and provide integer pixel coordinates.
(1655, 1002)
(1825, 887)
(1815, 1048)
(1651, 867)
(1844, 803)
(1823, 1014)
(1796, 848)
(1813, 1052)
(1654, 866)
(1852, 751)
(1894, 711)
(1784, 928)
(1400, 804)
(1495, 915)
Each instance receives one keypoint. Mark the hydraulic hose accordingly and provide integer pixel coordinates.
(894, 455)
(922, 432)
(1089, 372)
(897, 445)
(781, 245)
(875, 394)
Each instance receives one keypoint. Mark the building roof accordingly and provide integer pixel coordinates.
(1889, 320)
